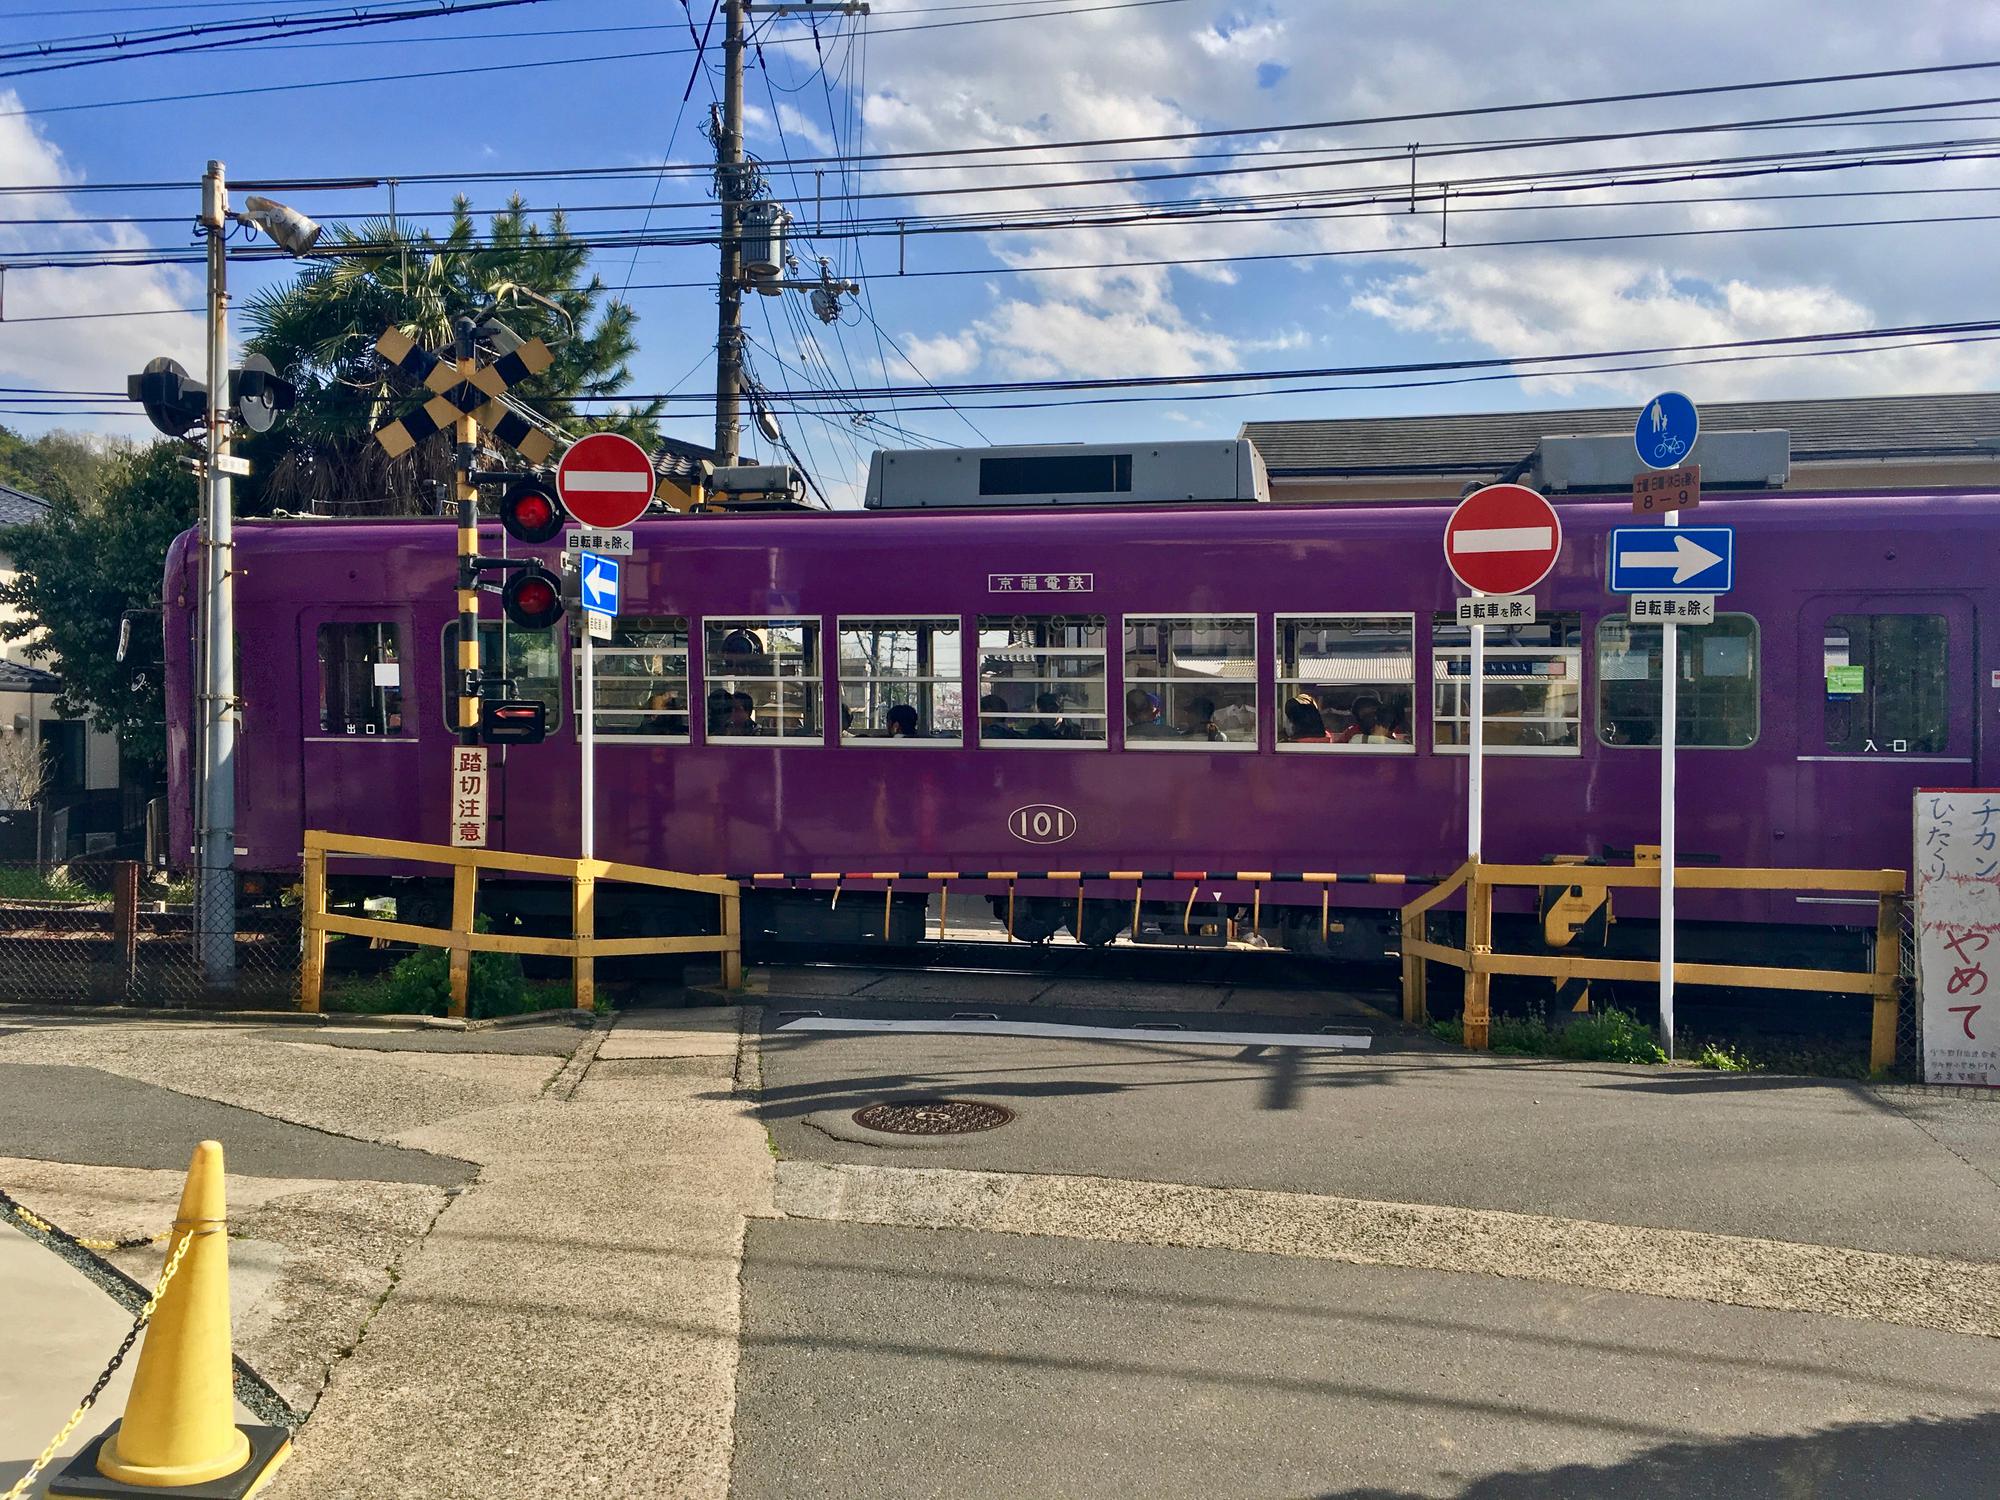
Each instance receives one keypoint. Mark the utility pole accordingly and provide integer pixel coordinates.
(215, 895)
(732, 187)
(729, 188)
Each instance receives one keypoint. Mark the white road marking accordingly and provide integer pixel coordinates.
(1059, 1031)
(611, 481)
(1504, 539)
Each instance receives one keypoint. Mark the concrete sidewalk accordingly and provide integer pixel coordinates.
(569, 1324)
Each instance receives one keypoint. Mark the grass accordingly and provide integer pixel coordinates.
(20, 883)
(1617, 1036)
(1611, 1036)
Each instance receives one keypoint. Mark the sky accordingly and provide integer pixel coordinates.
(1371, 281)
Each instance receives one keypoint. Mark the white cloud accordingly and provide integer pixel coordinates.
(1197, 68)
(799, 127)
(1553, 304)
(93, 353)
(942, 358)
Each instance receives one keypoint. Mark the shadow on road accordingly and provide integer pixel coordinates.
(1943, 1458)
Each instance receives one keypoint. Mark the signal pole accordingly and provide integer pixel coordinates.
(215, 867)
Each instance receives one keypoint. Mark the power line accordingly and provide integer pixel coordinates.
(1140, 213)
(1407, 385)
(546, 62)
(1241, 377)
(187, 38)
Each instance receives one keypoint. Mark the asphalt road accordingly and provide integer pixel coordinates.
(896, 1343)
(57, 1113)
(888, 1363)
(1786, 1158)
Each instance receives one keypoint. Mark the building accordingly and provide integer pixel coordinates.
(1852, 443)
(80, 809)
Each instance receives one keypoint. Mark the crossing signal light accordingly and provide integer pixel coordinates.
(532, 598)
(513, 721)
(531, 513)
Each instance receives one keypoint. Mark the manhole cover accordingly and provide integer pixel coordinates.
(932, 1117)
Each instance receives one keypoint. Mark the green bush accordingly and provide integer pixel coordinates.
(1613, 1036)
(421, 984)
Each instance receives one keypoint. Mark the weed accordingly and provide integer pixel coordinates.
(1723, 1058)
(1449, 1031)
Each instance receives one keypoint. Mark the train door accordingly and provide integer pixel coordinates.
(1887, 702)
(527, 664)
(359, 749)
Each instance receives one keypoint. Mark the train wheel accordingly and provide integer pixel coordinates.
(1102, 922)
(1036, 918)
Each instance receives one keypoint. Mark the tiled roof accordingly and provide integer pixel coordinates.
(16, 677)
(1868, 427)
(17, 506)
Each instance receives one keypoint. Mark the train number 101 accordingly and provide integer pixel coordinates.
(1041, 823)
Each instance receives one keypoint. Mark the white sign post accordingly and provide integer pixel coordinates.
(597, 591)
(1503, 540)
(1663, 436)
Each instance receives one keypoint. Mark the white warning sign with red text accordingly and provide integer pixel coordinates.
(468, 796)
(1957, 876)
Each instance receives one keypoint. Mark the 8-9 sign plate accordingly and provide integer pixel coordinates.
(1660, 490)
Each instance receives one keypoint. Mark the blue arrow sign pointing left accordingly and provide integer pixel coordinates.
(597, 579)
(1672, 560)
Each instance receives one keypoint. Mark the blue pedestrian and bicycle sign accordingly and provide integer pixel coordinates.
(1668, 426)
(598, 582)
(1672, 560)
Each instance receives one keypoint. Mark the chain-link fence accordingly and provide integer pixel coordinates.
(94, 932)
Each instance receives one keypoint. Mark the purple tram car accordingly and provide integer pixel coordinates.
(1165, 687)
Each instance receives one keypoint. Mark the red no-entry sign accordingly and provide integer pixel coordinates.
(1502, 539)
(606, 480)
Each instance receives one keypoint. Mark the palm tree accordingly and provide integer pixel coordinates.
(320, 332)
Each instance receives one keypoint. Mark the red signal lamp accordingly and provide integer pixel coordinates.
(531, 513)
(532, 598)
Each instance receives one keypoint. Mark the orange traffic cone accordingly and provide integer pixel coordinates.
(179, 1434)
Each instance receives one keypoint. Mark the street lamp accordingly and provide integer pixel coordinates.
(215, 862)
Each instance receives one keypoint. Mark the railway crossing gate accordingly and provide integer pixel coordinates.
(465, 389)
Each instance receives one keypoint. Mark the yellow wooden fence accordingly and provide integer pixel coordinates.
(582, 947)
(1480, 963)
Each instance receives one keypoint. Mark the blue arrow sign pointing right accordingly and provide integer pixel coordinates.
(1675, 560)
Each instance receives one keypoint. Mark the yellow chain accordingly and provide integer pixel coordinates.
(22, 1485)
(47, 1228)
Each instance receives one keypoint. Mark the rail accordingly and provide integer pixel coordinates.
(1480, 963)
(582, 947)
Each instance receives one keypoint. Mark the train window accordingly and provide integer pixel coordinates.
(1345, 682)
(1716, 703)
(763, 679)
(1534, 686)
(360, 680)
(1190, 682)
(526, 656)
(900, 682)
(641, 679)
(1885, 683)
(1041, 680)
